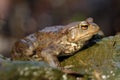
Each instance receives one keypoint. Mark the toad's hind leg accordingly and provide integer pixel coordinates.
(50, 54)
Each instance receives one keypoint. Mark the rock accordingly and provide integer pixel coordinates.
(101, 61)
(27, 70)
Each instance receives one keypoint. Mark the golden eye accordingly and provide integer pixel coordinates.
(84, 25)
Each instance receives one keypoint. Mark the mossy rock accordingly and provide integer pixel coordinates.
(101, 61)
(27, 70)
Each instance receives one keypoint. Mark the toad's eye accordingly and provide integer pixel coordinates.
(84, 25)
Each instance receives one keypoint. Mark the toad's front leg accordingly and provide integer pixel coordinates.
(50, 54)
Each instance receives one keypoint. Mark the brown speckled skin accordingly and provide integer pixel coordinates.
(54, 41)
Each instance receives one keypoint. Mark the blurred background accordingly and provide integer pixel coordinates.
(19, 18)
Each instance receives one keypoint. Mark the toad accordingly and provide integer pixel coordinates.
(51, 42)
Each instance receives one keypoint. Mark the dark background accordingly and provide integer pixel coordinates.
(19, 18)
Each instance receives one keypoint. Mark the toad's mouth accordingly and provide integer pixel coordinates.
(88, 34)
